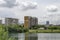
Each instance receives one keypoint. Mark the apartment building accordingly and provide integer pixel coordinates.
(47, 22)
(30, 21)
(11, 21)
(0, 21)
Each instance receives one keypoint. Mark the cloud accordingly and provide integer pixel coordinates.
(54, 18)
(9, 3)
(6, 14)
(28, 5)
(52, 8)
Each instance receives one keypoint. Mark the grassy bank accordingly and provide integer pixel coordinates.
(44, 31)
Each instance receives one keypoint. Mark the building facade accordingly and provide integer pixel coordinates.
(0, 21)
(30, 21)
(11, 21)
(47, 22)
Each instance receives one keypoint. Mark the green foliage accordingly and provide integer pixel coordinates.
(41, 26)
(16, 29)
(37, 26)
(34, 27)
(54, 27)
(11, 38)
(4, 33)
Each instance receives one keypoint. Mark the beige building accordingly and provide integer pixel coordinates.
(30, 21)
(11, 21)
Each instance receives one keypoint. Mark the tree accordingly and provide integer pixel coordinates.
(4, 33)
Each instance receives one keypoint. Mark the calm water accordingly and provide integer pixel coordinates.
(48, 36)
(40, 36)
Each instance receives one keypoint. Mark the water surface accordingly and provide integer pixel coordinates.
(38, 36)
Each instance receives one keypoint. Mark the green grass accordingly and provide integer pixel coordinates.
(44, 31)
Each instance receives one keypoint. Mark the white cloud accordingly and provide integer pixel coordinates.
(7, 13)
(40, 12)
(28, 5)
(52, 8)
(54, 18)
(9, 3)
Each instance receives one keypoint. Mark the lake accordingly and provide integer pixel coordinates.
(37, 36)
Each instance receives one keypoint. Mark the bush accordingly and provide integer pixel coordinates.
(4, 33)
(54, 27)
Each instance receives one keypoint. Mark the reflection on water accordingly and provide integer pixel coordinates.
(38, 36)
(32, 36)
(48, 36)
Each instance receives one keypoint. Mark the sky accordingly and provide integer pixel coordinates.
(44, 10)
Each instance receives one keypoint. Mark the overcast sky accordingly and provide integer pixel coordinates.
(44, 10)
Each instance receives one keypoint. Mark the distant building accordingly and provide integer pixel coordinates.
(0, 21)
(34, 21)
(30, 21)
(47, 22)
(11, 21)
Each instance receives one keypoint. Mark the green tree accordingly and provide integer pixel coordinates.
(4, 33)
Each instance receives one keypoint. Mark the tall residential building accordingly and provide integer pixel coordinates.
(11, 21)
(47, 22)
(0, 21)
(30, 21)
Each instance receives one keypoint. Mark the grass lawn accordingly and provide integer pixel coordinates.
(44, 31)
